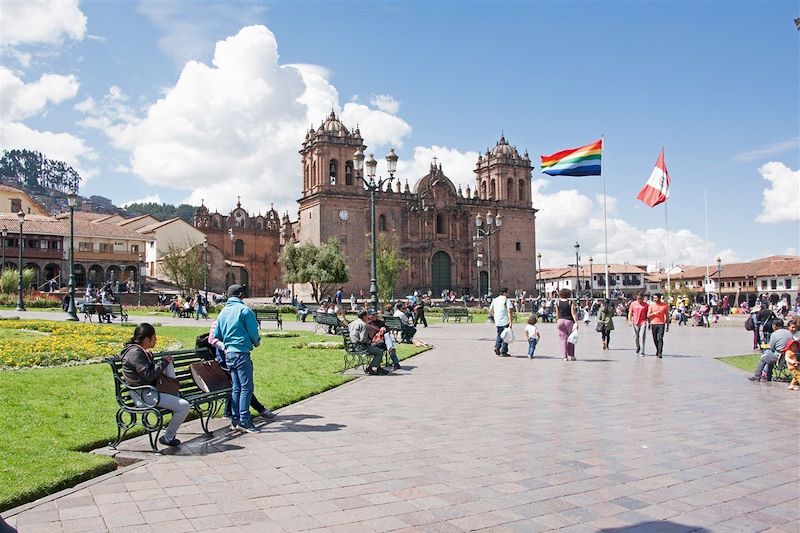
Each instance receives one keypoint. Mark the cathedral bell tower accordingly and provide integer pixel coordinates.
(503, 175)
(328, 158)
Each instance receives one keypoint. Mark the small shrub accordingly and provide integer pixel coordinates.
(280, 334)
(320, 345)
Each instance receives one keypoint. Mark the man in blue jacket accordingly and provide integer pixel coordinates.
(237, 328)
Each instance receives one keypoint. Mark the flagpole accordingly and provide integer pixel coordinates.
(705, 206)
(605, 220)
(669, 258)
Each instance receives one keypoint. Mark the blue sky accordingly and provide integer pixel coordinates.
(715, 83)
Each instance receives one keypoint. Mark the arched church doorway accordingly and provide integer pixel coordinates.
(440, 272)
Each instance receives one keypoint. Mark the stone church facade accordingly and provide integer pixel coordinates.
(434, 222)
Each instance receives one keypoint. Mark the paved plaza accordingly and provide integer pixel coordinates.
(463, 440)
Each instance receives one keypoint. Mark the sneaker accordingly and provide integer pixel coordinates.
(266, 413)
(381, 371)
(497, 351)
(637, 350)
(530, 357)
(659, 356)
(641, 354)
(234, 426)
(250, 429)
(754, 378)
(174, 442)
(504, 354)
(398, 367)
(572, 358)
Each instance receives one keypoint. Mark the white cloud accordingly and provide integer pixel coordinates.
(611, 203)
(769, 150)
(153, 199)
(233, 127)
(781, 202)
(568, 216)
(39, 21)
(60, 146)
(385, 102)
(456, 165)
(377, 126)
(23, 100)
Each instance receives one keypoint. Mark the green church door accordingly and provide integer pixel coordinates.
(440, 273)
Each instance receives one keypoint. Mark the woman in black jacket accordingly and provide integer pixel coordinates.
(139, 369)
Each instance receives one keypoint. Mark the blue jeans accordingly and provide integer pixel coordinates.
(498, 342)
(766, 363)
(241, 368)
(531, 345)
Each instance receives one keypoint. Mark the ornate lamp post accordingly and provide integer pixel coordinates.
(72, 201)
(577, 248)
(479, 264)
(591, 278)
(373, 186)
(231, 236)
(141, 268)
(493, 224)
(20, 300)
(5, 234)
(719, 282)
(205, 271)
(540, 284)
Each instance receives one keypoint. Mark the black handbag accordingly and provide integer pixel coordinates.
(599, 327)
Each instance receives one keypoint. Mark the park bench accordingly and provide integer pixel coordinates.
(456, 313)
(393, 325)
(780, 371)
(326, 320)
(205, 404)
(104, 312)
(269, 314)
(354, 356)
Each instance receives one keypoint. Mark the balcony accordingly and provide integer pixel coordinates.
(33, 253)
(85, 256)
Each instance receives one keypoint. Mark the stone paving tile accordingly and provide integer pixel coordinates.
(464, 440)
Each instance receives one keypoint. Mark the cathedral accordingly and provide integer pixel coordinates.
(434, 221)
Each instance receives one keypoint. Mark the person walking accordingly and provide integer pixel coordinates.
(502, 310)
(637, 317)
(237, 328)
(532, 334)
(605, 319)
(657, 314)
(567, 320)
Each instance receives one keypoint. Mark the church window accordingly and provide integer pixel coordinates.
(382, 223)
(522, 194)
(440, 223)
(348, 173)
(238, 247)
(493, 190)
(510, 189)
(333, 167)
(519, 246)
(215, 223)
(483, 190)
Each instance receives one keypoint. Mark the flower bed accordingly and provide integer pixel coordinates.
(322, 345)
(280, 334)
(60, 343)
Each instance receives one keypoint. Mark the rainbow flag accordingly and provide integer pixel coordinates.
(583, 161)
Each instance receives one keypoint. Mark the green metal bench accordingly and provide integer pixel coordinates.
(326, 320)
(269, 314)
(104, 312)
(456, 314)
(205, 404)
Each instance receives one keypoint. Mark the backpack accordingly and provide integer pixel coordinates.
(201, 341)
(748, 324)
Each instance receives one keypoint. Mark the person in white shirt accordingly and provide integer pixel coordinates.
(407, 335)
(532, 334)
(502, 309)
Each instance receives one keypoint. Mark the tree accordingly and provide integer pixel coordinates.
(9, 280)
(323, 266)
(162, 211)
(388, 265)
(184, 268)
(36, 170)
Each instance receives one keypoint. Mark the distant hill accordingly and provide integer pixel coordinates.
(162, 211)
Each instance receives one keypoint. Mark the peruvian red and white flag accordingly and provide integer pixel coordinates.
(656, 190)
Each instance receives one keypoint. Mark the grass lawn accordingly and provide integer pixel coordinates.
(745, 362)
(51, 416)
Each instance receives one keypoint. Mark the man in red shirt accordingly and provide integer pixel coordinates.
(657, 316)
(637, 317)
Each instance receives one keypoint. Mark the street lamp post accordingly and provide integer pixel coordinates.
(205, 271)
(72, 201)
(540, 284)
(577, 248)
(141, 279)
(5, 234)
(591, 278)
(373, 186)
(493, 224)
(20, 300)
(479, 263)
(719, 282)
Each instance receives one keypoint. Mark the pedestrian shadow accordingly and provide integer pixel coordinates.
(596, 360)
(660, 526)
(671, 355)
(292, 423)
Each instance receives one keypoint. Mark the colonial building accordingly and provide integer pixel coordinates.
(434, 221)
(242, 248)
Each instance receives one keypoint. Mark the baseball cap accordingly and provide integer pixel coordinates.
(235, 290)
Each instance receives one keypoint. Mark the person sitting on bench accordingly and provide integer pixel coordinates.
(778, 340)
(407, 335)
(383, 339)
(359, 335)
